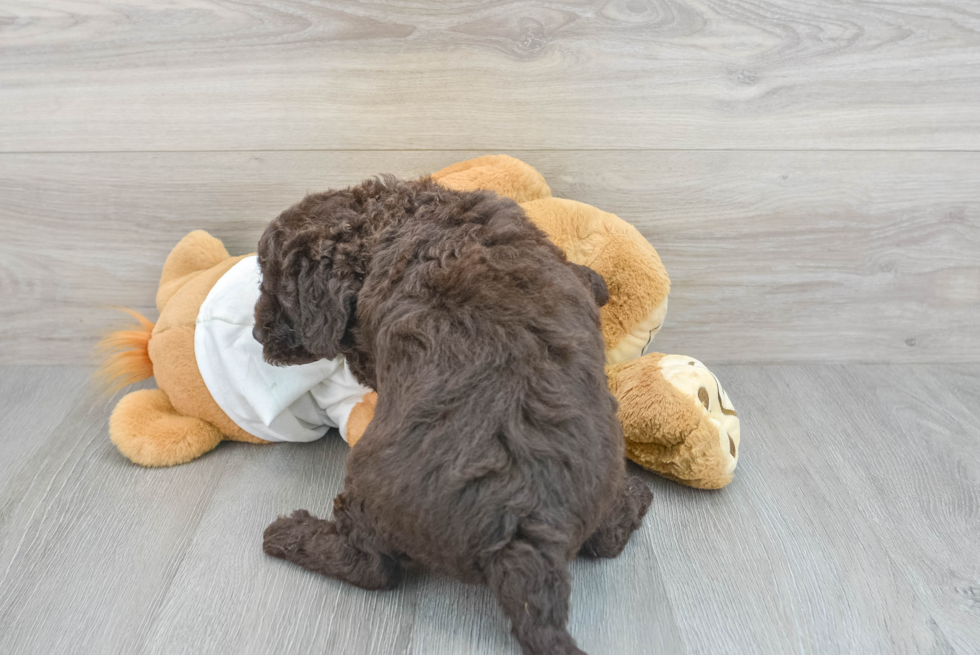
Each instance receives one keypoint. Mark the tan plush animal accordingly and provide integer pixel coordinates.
(677, 419)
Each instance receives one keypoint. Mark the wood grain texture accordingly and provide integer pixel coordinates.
(849, 471)
(850, 527)
(33, 400)
(339, 74)
(88, 543)
(774, 256)
(807, 172)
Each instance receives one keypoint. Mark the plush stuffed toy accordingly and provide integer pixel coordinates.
(213, 384)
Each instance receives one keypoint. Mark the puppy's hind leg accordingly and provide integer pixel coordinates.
(620, 523)
(532, 585)
(347, 548)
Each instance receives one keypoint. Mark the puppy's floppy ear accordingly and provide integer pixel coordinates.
(272, 329)
(594, 282)
(327, 292)
(281, 345)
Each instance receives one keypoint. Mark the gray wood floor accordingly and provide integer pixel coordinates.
(852, 527)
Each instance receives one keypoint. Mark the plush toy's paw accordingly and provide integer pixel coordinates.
(693, 379)
(677, 419)
(147, 429)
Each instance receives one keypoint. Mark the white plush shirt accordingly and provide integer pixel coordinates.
(288, 403)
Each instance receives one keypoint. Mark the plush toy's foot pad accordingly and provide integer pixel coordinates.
(693, 379)
(147, 429)
(611, 537)
(318, 545)
(677, 419)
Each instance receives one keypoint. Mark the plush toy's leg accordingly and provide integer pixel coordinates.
(196, 252)
(506, 175)
(651, 410)
(346, 548)
(146, 428)
(532, 585)
(631, 506)
(677, 419)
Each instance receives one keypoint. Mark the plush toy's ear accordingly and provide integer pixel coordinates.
(592, 281)
(327, 304)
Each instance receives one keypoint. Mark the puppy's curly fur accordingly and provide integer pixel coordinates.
(495, 454)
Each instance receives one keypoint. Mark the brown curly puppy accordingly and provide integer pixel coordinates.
(494, 454)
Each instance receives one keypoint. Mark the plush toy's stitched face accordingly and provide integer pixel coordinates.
(638, 341)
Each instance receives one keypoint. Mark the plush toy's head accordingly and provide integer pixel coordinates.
(636, 278)
(637, 281)
(676, 418)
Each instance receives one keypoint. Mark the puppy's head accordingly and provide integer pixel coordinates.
(311, 274)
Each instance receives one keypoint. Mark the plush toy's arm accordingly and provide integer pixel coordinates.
(360, 417)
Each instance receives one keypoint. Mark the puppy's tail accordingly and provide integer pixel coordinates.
(125, 353)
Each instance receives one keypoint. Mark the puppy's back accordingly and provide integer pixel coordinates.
(494, 418)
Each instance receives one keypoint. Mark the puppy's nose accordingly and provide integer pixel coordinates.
(257, 333)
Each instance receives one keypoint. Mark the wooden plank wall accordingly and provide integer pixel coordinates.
(809, 172)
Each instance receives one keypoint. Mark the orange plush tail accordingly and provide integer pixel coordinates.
(126, 352)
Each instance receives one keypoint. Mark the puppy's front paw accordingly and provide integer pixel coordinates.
(284, 535)
(638, 499)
